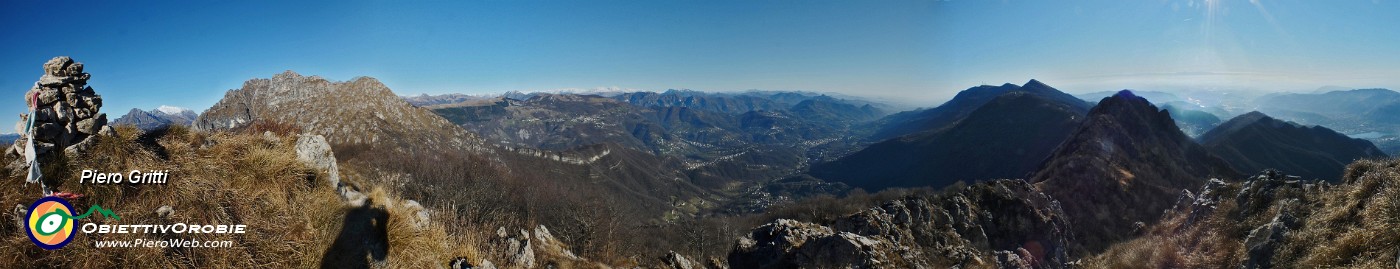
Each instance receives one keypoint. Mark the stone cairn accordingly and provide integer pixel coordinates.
(66, 115)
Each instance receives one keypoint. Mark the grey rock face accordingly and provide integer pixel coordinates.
(1009, 259)
(526, 248)
(316, 153)
(517, 249)
(363, 111)
(19, 215)
(524, 257)
(1198, 206)
(313, 151)
(793, 244)
(545, 241)
(486, 264)
(1264, 240)
(963, 229)
(420, 218)
(1258, 193)
(165, 212)
(678, 261)
(462, 263)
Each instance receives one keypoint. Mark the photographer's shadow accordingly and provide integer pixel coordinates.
(363, 239)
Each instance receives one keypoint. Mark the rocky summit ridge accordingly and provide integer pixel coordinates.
(1004, 223)
(1122, 167)
(359, 111)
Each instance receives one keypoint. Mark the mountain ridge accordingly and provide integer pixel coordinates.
(364, 111)
(1121, 166)
(1254, 141)
(1008, 137)
(156, 118)
(949, 112)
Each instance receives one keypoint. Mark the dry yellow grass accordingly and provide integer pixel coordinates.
(223, 178)
(1355, 224)
(1359, 226)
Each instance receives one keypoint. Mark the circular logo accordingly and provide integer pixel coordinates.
(50, 222)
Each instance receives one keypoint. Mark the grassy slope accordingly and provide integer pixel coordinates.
(227, 179)
(1353, 225)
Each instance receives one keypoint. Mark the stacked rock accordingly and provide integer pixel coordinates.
(66, 111)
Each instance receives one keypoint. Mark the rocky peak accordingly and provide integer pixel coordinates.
(1253, 116)
(363, 111)
(1036, 85)
(1132, 109)
(1124, 165)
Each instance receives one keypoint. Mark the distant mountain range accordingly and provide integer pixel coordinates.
(1091, 175)
(381, 133)
(733, 104)
(1254, 142)
(157, 118)
(1335, 104)
(722, 138)
(1006, 137)
(451, 98)
(909, 122)
(8, 138)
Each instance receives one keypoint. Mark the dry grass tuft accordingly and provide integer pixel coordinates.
(218, 178)
(1352, 225)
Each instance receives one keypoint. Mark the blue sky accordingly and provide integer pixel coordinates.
(188, 54)
(1226, 44)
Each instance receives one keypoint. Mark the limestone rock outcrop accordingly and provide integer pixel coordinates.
(66, 111)
(316, 153)
(793, 244)
(675, 260)
(1264, 241)
(530, 248)
(962, 229)
(359, 111)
